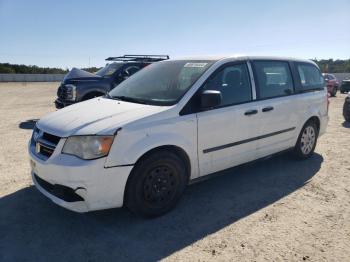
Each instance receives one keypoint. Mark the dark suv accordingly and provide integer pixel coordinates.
(345, 86)
(79, 85)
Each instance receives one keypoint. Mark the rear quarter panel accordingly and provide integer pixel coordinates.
(311, 104)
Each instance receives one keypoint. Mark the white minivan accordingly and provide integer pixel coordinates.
(173, 122)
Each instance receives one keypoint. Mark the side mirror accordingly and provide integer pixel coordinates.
(210, 98)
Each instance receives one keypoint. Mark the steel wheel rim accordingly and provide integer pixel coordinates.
(308, 139)
(159, 186)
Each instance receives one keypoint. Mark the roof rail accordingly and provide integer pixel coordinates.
(139, 58)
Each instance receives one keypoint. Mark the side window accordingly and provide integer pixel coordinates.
(233, 83)
(132, 70)
(274, 79)
(310, 76)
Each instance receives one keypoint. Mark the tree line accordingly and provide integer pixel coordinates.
(7, 68)
(333, 66)
(326, 65)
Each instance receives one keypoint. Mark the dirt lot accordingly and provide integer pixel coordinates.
(278, 209)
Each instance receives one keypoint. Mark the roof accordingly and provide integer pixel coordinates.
(244, 57)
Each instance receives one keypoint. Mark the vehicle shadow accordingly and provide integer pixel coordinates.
(346, 124)
(34, 229)
(28, 124)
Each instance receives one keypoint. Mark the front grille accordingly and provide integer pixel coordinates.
(46, 151)
(51, 138)
(44, 143)
(62, 92)
(62, 192)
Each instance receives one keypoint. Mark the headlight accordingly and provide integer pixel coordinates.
(71, 92)
(88, 147)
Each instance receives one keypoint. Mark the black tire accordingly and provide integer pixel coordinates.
(300, 151)
(334, 92)
(346, 111)
(156, 184)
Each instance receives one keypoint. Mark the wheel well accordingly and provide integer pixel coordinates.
(92, 95)
(175, 149)
(316, 120)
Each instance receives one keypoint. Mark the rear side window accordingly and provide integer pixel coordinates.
(274, 79)
(132, 70)
(310, 76)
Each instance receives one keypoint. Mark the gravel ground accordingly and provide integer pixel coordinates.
(278, 209)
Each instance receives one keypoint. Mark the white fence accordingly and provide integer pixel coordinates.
(31, 77)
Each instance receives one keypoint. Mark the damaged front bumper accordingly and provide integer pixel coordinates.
(76, 184)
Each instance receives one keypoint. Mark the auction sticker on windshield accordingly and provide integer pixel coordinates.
(195, 64)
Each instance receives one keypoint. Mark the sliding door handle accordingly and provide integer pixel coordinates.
(251, 112)
(267, 109)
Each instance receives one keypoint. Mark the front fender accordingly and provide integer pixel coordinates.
(129, 146)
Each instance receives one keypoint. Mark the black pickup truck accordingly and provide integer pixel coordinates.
(79, 85)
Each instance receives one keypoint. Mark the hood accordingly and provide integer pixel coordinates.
(95, 116)
(78, 74)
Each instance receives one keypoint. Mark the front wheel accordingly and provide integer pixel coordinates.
(307, 140)
(156, 184)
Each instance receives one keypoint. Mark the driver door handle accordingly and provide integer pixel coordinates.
(267, 109)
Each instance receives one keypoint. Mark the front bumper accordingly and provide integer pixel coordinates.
(59, 103)
(88, 183)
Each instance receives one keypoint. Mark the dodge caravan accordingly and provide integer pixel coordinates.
(173, 122)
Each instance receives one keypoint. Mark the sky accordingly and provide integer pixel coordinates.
(80, 33)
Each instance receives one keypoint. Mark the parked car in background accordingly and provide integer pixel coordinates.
(172, 122)
(346, 108)
(332, 83)
(79, 85)
(345, 86)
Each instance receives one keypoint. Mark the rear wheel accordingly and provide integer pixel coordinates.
(307, 140)
(156, 184)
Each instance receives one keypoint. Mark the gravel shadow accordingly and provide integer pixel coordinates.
(34, 229)
(28, 124)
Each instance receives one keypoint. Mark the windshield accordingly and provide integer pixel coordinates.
(109, 69)
(161, 83)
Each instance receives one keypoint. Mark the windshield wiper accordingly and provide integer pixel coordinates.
(129, 99)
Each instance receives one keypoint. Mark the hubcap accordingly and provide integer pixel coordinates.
(308, 139)
(160, 186)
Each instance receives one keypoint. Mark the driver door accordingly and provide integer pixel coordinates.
(225, 133)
